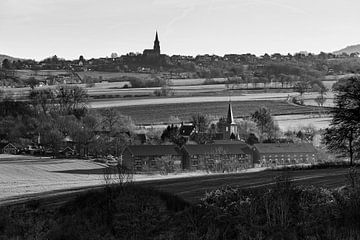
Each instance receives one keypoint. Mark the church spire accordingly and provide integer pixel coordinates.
(157, 43)
(156, 37)
(230, 116)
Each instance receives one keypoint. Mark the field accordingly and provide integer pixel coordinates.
(26, 176)
(23, 176)
(160, 113)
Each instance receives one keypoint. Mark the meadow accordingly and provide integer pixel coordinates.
(160, 113)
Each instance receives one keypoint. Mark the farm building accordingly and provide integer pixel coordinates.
(270, 154)
(9, 148)
(217, 157)
(149, 157)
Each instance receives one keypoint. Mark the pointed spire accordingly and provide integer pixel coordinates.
(230, 116)
(156, 37)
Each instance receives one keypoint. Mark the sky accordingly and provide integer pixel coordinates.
(37, 29)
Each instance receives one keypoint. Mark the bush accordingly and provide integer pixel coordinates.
(164, 91)
(281, 211)
(145, 83)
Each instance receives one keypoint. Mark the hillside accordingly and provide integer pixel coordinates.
(2, 57)
(349, 49)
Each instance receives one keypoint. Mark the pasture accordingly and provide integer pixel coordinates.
(28, 175)
(160, 113)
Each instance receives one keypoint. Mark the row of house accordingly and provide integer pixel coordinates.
(232, 156)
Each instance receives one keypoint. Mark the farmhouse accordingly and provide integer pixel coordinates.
(148, 157)
(8, 148)
(217, 157)
(270, 154)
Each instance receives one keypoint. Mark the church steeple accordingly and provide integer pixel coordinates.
(157, 44)
(231, 131)
(230, 117)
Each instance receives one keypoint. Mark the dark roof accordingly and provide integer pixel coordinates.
(186, 130)
(12, 145)
(153, 150)
(285, 147)
(202, 149)
(244, 146)
(227, 141)
(140, 137)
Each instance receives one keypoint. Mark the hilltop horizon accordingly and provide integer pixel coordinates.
(70, 28)
(348, 49)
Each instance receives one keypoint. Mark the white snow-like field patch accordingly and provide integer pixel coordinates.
(21, 175)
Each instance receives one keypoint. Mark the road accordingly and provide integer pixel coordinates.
(193, 189)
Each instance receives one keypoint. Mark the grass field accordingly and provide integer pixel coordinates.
(160, 113)
(29, 175)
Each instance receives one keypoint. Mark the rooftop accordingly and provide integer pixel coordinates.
(153, 150)
(201, 149)
(285, 147)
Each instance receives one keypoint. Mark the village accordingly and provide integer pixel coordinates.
(219, 151)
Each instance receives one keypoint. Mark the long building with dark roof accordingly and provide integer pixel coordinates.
(269, 154)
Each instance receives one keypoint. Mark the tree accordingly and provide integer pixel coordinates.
(110, 117)
(252, 139)
(172, 134)
(201, 122)
(343, 135)
(31, 82)
(301, 87)
(72, 100)
(265, 123)
(320, 100)
(42, 100)
(6, 64)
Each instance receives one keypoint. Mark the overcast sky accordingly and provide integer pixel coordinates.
(68, 28)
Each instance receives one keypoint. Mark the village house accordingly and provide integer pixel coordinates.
(186, 130)
(9, 148)
(217, 157)
(271, 154)
(148, 157)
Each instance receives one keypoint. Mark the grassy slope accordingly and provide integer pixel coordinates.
(26, 175)
(141, 212)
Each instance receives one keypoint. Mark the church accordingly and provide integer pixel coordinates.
(155, 51)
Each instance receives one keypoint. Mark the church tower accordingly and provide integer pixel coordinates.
(231, 131)
(157, 44)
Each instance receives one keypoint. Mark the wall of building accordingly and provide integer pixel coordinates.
(274, 159)
(152, 163)
(219, 163)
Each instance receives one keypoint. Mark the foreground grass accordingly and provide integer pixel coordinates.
(279, 211)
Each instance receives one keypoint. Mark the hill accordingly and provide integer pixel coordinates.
(349, 49)
(2, 57)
